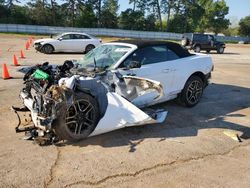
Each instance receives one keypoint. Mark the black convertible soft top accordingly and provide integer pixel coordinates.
(177, 48)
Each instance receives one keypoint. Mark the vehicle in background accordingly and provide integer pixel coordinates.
(198, 42)
(67, 42)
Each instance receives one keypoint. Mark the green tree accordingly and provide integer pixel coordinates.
(87, 17)
(245, 26)
(216, 16)
(232, 31)
(168, 5)
(39, 12)
(154, 7)
(132, 20)
(140, 5)
(150, 23)
(109, 14)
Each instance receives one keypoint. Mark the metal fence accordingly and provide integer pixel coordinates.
(37, 29)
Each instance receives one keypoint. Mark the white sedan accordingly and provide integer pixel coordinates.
(67, 42)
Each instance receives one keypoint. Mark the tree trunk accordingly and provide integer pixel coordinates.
(53, 12)
(73, 13)
(159, 13)
(99, 12)
(134, 5)
(170, 4)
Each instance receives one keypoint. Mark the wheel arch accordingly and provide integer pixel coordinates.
(48, 44)
(90, 44)
(200, 74)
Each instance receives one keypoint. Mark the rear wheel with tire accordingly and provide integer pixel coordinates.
(47, 49)
(79, 120)
(192, 91)
(197, 48)
(89, 48)
(220, 50)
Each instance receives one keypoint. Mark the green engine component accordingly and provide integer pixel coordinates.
(40, 75)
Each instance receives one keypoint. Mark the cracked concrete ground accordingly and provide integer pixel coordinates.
(188, 150)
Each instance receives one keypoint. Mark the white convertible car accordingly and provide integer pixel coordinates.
(67, 42)
(111, 87)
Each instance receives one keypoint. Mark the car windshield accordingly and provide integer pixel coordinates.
(57, 36)
(104, 56)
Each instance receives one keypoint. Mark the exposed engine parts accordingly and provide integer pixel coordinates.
(69, 103)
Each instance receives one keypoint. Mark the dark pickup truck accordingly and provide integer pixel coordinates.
(198, 42)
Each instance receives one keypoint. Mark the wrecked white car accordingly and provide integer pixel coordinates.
(110, 88)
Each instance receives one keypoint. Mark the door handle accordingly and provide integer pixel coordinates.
(166, 70)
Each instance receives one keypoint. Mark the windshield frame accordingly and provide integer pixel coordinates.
(132, 48)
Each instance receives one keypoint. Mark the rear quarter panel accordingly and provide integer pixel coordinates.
(187, 66)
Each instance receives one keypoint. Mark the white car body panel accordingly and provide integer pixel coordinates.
(171, 74)
(126, 115)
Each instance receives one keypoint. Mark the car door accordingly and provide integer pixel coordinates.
(211, 42)
(207, 41)
(156, 65)
(81, 41)
(67, 43)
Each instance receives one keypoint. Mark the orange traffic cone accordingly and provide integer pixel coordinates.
(21, 54)
(5, 72)
(27, 45)
(15, 63)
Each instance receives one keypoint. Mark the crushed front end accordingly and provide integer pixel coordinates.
(63, 105)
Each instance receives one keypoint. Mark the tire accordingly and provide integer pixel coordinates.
(220, 50)
(89, 48)
(208, 51)
(48, 49)
(192, 91)
(79, 120)
(197, 48)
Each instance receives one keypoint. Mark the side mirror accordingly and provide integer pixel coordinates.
(134, 64)
(60, 39)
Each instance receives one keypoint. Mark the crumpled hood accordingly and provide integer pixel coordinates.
(44, 40)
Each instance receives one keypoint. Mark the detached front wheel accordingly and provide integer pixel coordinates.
(79, 120)
(192, 91)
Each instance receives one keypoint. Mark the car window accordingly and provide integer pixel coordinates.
(79, 36)
(151, 54)
(210, 37)
(202, 38)
(66, 37)
(171, 55)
